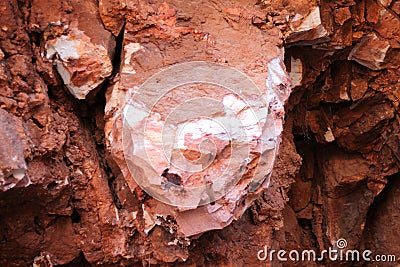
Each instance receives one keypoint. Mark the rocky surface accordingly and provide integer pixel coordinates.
(69, 197)
(13, 165)
(209, 201)
(76, 43)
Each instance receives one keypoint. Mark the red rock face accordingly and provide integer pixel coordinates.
(345, 113)
(75, 186)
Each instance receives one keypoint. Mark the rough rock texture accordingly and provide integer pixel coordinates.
(69, 199)
(76, 42)
(13, 165)
(346, 128)
(82, 65)
(231, 154)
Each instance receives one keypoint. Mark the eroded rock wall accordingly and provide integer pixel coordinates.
(346, 126)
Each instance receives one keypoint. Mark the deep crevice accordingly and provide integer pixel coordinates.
(91, 111)
(79, 261)
(118, 53)
(75, 216)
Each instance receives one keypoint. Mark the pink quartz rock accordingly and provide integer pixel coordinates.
(199, 136)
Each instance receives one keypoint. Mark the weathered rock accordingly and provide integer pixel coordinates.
(380, 232)
(12, 160)
(302, 188)
(388, 27)
(311, 30)
(112, 15)
(346, 126)
(76, 42)
(370, 52)
(372, 10)
(61, 249)
(358, 88)
(81, 64)
(341, 169)
(341, 15)
(201, 153)
(344, 177)
(396, 7)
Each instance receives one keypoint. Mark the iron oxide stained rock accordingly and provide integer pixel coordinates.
(370, 52)
(112, 20)
(310, 30)
(76, 42)
(198, 137)
(81, 64)
(12, 161)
